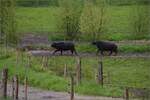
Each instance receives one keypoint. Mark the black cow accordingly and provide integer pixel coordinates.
(105, 46)
(64, 46)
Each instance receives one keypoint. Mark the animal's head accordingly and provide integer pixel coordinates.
(94, 43)
(53, 44)
(97, 42)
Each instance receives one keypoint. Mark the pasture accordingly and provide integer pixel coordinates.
(44, 20)
(29, 28)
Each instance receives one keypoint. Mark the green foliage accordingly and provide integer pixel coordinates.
(140, 20)
(46, 20)
(70, 18)
(8, 27)
(93, 19)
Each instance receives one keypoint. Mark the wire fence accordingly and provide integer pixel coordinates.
(137, 92)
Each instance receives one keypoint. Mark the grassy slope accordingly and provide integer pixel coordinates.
(45, 19)
(126, 71)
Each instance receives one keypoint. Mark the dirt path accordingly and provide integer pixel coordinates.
(38, 94)
(120, 55)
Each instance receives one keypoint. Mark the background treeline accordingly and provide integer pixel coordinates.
(35, 3)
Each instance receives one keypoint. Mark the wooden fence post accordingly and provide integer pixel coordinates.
(4, 82)
(126, 94)
(65, 71)
(72, 88)
(100, 73)
(79, 70)
(16, 87)
(44, 61)
(26, 88)
(13, 88)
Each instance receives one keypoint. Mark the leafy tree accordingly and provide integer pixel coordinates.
(140, 21)
(70, 17)
(8, 25)
(93, 18)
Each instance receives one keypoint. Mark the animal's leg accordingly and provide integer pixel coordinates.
(110, 53)
(102, 52)
(61, 51)
(116, 52)
(55, 51)
(71, 52)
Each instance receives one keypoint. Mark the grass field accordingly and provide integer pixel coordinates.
(45, 20)
(132, 72)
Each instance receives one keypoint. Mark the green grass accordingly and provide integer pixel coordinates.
(45, 20)
(41, 19)
(8, 98)
(135, 48)
(132, 72)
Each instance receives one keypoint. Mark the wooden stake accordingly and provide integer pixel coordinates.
(100, 73)
(65, 71)
(4, 82)
(13, 88)
(16, 87)
(126, 93)
(79, 70)
(45, 62)
(72, 88)
(26, 88)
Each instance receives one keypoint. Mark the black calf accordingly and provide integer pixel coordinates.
(64, 46)
(105, 46)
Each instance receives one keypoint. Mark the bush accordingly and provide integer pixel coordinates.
(93, 19)
(140, 21)
(70, 16)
